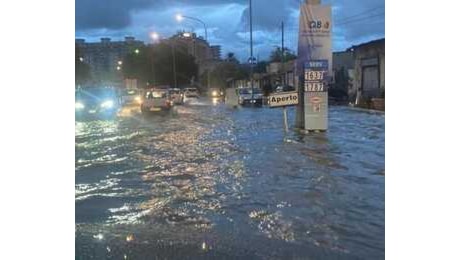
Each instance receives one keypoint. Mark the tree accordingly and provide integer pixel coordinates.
(339, 89)
(261, 67)
(227, 70)
(277, 55)
(82, 70)
(154, 64)
(230, 57)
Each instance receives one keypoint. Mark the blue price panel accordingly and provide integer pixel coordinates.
(317, 65)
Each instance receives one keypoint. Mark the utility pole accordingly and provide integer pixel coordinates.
(286, 127)
(174, 62)
(282, 54)
(153, 66)
(251, 59)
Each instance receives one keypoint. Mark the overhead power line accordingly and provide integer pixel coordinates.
(367, 12)
(360, 19)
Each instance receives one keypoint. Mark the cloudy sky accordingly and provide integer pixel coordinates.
(355, 21)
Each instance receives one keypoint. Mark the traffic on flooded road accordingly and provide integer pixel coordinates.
(211, 181)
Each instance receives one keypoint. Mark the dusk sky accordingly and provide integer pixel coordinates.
(355, 21)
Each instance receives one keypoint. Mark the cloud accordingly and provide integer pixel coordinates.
(227, 20)
(267, 16)
(110, 14)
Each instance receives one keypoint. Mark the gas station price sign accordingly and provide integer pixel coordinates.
(315, 75)
(314, 86)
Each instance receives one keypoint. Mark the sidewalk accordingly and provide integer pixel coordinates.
(366, 110)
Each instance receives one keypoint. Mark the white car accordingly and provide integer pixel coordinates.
(191, 93)
(156, 100)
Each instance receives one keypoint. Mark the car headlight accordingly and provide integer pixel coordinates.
(138, 99)
(107, 104)
(214, 93)
(79, 105)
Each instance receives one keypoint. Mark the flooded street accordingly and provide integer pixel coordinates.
(207, 181)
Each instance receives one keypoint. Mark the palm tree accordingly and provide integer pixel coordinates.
(231, 57)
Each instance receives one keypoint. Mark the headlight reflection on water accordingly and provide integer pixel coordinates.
(79, 105)
(99, 236)
(108, 104)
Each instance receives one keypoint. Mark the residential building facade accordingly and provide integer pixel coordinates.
(104, 57)
(369, 80)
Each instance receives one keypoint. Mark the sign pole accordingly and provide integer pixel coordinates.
(286, 127)
(284, 99)
(252, 52)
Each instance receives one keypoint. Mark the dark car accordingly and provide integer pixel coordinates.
(246, 97)
(216, 93)
(284, 88)
(96, 101)
(176, 96)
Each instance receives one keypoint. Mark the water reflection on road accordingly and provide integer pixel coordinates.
(210, 181)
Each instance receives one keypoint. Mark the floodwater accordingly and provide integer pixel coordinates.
(211, 182)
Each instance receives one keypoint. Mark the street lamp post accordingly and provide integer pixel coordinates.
(174, 63)
(155, 37)
(180, 17)
(252, 54)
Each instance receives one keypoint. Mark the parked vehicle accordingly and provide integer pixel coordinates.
(156, 100)
(215, 93)
(96, 101)
(177, 96)
(131, 97)
(284, 88)
(246, 97)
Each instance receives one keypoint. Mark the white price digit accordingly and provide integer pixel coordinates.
(314, 75)
(315, 86)
(320, 87)
(320, 75)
